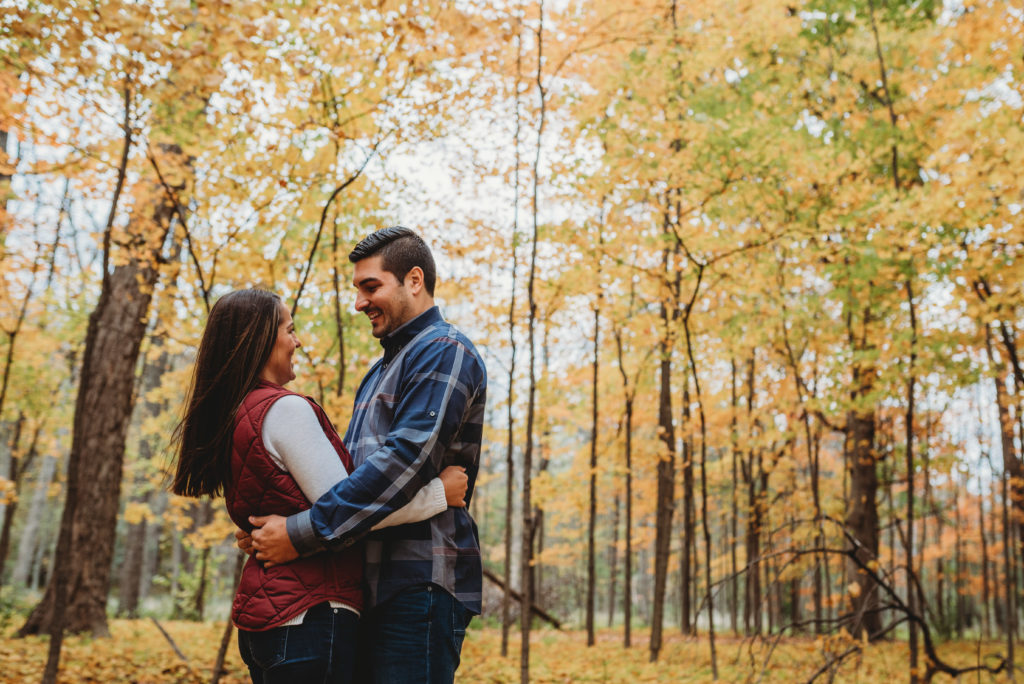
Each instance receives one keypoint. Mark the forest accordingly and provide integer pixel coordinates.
(746, 276)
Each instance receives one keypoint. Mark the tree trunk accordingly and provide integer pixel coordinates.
(30, 533)
(940, 579)
(665, 501)
(1011, 575)
(986, 599)
(592, 491)
(909, 427)
(526, 552)
(752, 469)
(627, 574)
(544, 449)
(151, 556)
(1011, 462)
(102, 411)
(218, 665)
(734, 594)
(130, 580)
(506, 621)
(705, 510)
(14, 476)
(688, 541)
(862, 515)
(958, 566)
(179, 565)
(5, 183)
(613, 560)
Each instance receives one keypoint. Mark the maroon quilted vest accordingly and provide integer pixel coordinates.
(267, 597)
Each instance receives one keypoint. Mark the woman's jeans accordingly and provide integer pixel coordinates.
(414, 637)
(321, 649)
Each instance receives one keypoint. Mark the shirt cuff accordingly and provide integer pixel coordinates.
(302, 535)
(439, 499)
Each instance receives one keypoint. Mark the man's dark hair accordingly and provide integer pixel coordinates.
(400, 249)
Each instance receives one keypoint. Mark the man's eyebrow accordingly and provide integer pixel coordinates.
(366, 280)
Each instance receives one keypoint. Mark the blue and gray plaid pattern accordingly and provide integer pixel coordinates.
(418, 410)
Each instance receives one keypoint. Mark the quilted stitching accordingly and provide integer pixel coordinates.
(268, 597)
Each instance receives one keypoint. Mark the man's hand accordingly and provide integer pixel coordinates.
(455, 482)
(270, 539)
(244, 541)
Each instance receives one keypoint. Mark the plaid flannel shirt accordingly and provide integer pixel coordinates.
(418, 410)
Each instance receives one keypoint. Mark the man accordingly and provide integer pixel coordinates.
(419, 409)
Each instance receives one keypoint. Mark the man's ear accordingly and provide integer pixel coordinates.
(414, 280)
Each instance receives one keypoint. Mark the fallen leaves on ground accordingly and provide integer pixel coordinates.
(137, 652)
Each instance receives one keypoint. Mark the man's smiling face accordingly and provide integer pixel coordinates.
(385, 301)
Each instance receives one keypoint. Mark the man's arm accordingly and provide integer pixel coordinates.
(441, 379)
(274, 532)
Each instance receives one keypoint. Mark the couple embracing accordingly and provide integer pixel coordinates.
(365, 563)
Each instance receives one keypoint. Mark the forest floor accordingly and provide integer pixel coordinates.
(138, 652)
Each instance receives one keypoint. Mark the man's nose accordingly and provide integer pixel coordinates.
(361, 303)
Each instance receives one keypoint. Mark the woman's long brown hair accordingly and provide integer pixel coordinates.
(237, 341)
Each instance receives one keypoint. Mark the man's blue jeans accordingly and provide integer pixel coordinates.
(321, 649)
(414, 637)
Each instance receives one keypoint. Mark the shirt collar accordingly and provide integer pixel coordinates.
(398, 338)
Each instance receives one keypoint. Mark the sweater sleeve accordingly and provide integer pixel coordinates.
(297, 444)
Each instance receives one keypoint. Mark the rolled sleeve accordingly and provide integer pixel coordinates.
(302, 535)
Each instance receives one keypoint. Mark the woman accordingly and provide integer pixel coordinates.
(271, 451)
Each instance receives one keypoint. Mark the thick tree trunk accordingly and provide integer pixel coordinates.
(102, 411)
(862, 518)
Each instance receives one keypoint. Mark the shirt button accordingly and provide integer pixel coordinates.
(433, 413)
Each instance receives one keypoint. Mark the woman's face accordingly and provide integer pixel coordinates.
(278, 368)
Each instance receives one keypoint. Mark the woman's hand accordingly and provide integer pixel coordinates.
(243, 540)
(455, 482)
